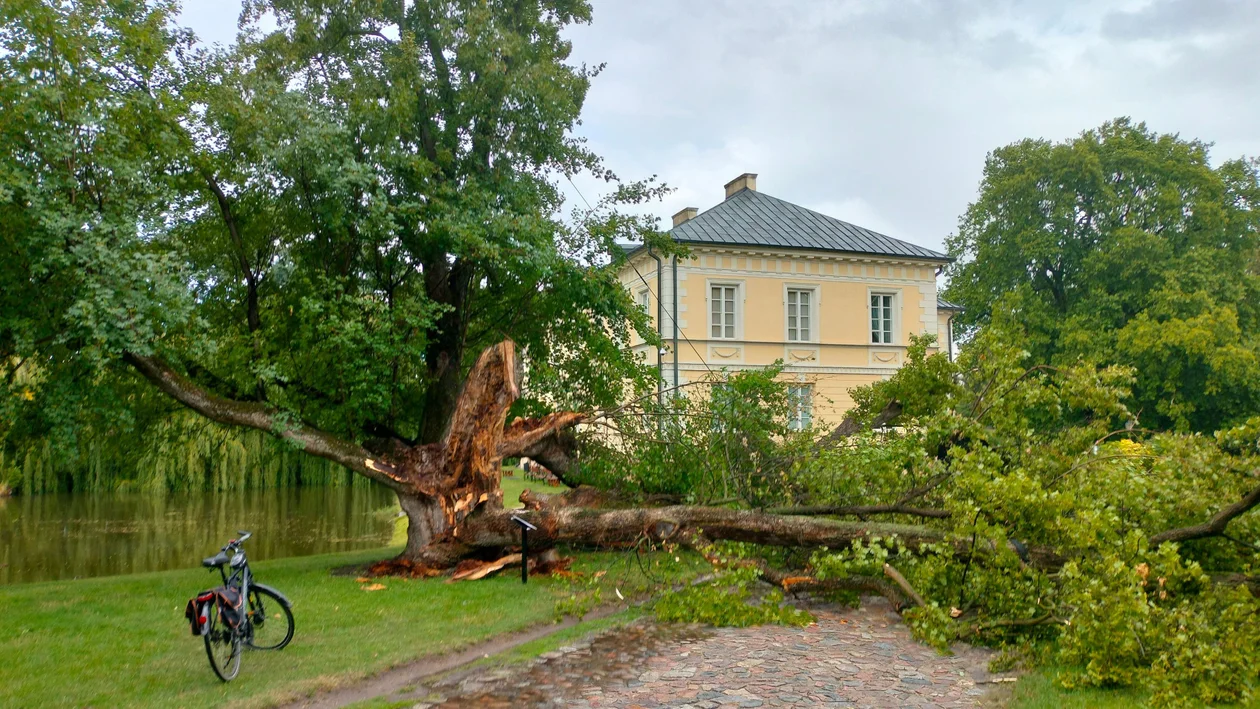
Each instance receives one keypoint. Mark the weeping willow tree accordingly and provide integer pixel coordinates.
(181, 451)
(131, 440)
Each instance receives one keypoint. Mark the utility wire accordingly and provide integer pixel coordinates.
(659, 290)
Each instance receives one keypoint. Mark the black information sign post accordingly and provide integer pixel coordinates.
(525, 527)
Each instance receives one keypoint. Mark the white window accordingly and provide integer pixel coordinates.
(645, 300)
(800, 314)
(722, 304)
(882, 318)
(800, 406)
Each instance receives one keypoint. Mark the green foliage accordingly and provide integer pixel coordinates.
(931, 625)
(179, 452)
(860, 559)
(725, 438)
(925, 387)
(331, 216)
(1123, 246)
(1027, 457)
(1243, 439)
(725, 602)
(1161, 622)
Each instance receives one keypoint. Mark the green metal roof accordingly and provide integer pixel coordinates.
(751, 218)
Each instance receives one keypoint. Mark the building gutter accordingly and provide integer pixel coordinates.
(660, 318)
(674, 262)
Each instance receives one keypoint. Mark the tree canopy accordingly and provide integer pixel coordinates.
(325, 221)
(1123, 246)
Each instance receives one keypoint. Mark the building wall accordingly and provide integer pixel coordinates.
(839, 354)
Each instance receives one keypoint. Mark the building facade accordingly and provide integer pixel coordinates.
(769, 280)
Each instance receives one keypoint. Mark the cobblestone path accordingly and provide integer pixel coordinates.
(850, 658)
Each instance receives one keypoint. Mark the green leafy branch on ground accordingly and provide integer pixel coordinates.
(1048, 502)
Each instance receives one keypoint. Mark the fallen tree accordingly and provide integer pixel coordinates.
(451, 494)
(973, 547)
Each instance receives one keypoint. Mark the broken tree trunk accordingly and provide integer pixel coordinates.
(442, 484)
(486, 533)
(621, 527)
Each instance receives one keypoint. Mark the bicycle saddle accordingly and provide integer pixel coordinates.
(217, 560)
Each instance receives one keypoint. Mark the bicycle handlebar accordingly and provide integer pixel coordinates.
(236, 543)
(222, 558)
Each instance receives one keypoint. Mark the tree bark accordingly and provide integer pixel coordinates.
(425, 522)
(444, 283)
(580, 526)
(1214, 526)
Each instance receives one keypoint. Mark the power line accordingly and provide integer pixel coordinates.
(659, 290)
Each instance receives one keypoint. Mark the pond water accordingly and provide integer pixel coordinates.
(45, 537)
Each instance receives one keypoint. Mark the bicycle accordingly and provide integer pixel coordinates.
(216, 615)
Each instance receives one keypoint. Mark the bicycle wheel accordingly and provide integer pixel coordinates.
(271, 622)
(223, 647)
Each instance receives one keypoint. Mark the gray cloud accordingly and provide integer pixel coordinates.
(1181, 19)
(882, 113)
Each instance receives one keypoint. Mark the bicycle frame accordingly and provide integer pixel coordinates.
(235, 573)
(243, 579)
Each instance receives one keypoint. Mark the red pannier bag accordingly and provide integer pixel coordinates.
(225, 599)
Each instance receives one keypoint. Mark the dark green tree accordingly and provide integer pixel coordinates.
(1123, 246)
(313, 232)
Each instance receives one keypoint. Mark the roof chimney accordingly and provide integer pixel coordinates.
(685, 214)
(746, 181)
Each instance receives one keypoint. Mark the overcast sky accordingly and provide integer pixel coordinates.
(881, 113)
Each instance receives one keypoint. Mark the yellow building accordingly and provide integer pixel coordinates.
(769, 280)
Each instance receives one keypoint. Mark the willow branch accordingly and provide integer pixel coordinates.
(263, 418)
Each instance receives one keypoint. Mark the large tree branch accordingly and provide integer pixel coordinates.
(861, 510)
(1214, 526)
(252, 317)
(851, 426)
(264, 418)
(585, 527)
(548, 440)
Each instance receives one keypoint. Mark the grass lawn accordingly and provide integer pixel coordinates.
(123, 641)
(512, 487)
(1037, 690)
